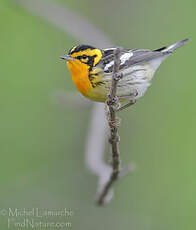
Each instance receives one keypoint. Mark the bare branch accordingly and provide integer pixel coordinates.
(113, 121)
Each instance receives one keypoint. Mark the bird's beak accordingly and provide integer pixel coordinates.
(67, 58)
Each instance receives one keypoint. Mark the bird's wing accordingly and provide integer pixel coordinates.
(129, 58)
(137, 56)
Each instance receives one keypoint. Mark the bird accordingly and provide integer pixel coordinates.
(92, 69)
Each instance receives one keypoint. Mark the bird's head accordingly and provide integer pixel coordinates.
(83, 54)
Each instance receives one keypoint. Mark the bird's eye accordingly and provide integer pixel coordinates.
(84, 57)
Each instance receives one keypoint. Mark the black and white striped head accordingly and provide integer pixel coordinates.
(88, 55)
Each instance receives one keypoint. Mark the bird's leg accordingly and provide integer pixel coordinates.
(132, 102)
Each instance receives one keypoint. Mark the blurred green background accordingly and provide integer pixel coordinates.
(41, 146)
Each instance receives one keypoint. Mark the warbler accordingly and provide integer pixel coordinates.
(92, 68)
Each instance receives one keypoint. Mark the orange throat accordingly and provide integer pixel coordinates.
(79, 72)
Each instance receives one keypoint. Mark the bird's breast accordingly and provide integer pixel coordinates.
(79, 72)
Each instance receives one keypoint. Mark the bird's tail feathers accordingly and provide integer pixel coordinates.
(171, 48)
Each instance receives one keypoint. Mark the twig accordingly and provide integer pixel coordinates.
(113, 121)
